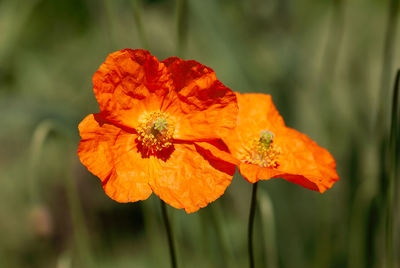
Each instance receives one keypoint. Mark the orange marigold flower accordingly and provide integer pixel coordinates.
(265, 148)
(157, 125)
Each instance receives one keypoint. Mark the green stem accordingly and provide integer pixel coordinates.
(14, 16)
(392, 173)
(137, 10)
(39, 137)
(110, 20)
(181, 26)
(169, 234)
(153, 233)
(333, 45)
(268, 229)
(251, 224)
(217, 221)
(81, 234)
(382, 125)
(387, 64)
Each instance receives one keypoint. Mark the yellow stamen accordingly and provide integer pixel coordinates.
(155, 131)
(262, 151)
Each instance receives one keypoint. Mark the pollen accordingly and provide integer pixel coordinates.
(262, 151)
(155, 131)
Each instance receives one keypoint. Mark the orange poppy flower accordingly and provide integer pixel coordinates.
(265, 148)
(157, 125)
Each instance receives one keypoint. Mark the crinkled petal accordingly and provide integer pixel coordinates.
(205, 109)
(190, 178)
(128, 83)
(304, 162)
(94, 148)
(129, 181)
(110, 153)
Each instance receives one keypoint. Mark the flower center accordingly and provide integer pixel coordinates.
(262, 151)
(155, 131)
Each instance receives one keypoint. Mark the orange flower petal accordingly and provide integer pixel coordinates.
(256, 113)
(129, 181)
(128, 83)
(218, 149)
(190, 178)
(204, 107)
(95, 147)
(305, 162)
(110, 153)
(301, 160)
(253, 173)
(257, 110)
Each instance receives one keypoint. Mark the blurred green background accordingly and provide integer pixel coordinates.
(329, 66)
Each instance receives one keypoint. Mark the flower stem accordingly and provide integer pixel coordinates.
(387, 62)
(80, 231)
(333, 45)
(39, 137)
(110, 23)
(251, 223)
(392, 173)
(181, 26)
(169, 234)
(215, 215)
(137, 10)
(268, 229)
